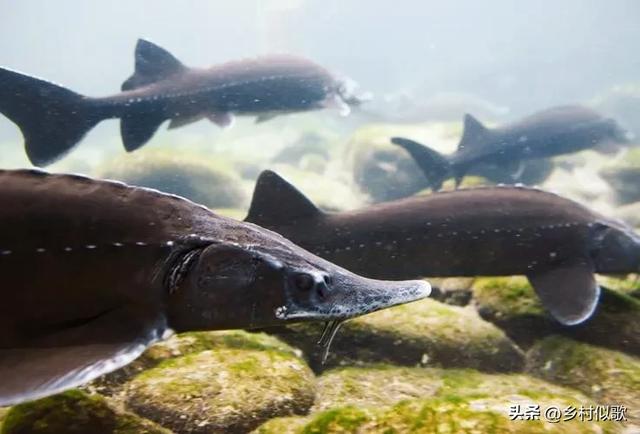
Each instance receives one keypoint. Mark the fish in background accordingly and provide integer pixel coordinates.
(490, 231)
(555, 131)
(94, 271)
(406, 106)
(54, 119)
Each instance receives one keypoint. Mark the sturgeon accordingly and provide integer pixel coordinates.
(93, 272)
(491, 231)
(54, 119)
(555, 131)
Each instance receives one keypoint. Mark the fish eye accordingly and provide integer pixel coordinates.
(304, 282)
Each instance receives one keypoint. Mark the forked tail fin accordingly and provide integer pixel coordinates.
(52, 119)
(435, 166)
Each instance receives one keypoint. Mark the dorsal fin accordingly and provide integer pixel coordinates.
(153, 63)
(473, 129)
(276, 202)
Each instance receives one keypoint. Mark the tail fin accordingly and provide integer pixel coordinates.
(52, 119)
(435, 166)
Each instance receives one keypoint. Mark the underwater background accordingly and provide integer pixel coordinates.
(467, 360)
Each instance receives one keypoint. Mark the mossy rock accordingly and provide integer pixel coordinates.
(511, 304)
(384, 385)
(3, 413)
(75, 412)
(309, 143)
(426, 332)
(195, 177)
(282, 425)
(387, 399)
(609, 377)
(383, 171)
(452, 290)
(438, 416)
(628, 285)
(181, 345)
(624, 176)
(226, 383)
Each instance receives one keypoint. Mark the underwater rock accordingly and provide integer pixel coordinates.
(193, 177)
(74, 412)
(378, 400)
(452, 290)
(426, 332)
(221, 383)
(3, 413)
(624, 176)
(384, 385)
(383, 171)
(609, 377)
(309, 143)
(181, 345)
(511, 304)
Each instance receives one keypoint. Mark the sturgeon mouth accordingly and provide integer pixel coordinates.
(346, 300)
(352, 298)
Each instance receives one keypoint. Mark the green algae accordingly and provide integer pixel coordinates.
(74, 412)
(609, 377)
(230, 381)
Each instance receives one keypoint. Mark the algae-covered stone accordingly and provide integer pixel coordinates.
(452, 290)
(309, 143)
(282, 425)
(609, 377)
(228, 383)
(624, 176)
(422, 333)
(381, 170)
(3, 413)
(511, 303)
(381, 399)
(204, 181)
(75, 412)
(440, 416)
(181, 345)
(383, 385)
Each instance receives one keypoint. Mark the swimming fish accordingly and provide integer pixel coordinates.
(555, 131)
(491, 231)
(54, 119)
(93, 272)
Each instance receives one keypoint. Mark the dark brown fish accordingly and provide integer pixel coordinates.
(54, 119)
(94, 271)
(557, 243)
(551, 132)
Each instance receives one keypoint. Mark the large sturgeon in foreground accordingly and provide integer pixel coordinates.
(491, 231)
(95, 271)
(54, 119)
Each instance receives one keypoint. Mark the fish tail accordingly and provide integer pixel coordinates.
(435, 166)
(52, 119)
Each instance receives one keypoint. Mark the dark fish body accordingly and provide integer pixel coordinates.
(556, 242)
(54, 119)
(552, 132)
(94, 271)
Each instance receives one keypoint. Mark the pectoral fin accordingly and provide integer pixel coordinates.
(223, 120)
(568, 291)
(181, 121)
(75, 355)
(264, 117)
